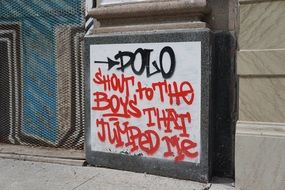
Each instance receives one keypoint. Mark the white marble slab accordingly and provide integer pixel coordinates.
(260, 157)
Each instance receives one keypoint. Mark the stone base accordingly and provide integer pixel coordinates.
(260, 156)
(99, 154)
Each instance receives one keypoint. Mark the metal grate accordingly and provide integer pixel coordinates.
(41, 72)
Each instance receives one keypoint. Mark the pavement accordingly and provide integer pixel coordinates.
(30, 175)
(40, 168)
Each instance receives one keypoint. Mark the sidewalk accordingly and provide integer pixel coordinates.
(36, 175)
(27, 175)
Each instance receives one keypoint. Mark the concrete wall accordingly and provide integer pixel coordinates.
(261, 70)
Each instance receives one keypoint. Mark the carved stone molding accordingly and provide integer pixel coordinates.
(255, 1)
(197, 7)
(261, 128)
(142, 14)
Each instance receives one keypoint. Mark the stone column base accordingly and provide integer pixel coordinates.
(260, 156)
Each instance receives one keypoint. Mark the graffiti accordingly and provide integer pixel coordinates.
(45, 48)
(145, 62)
(10, 88)
(126, 107)
(169, 92)
(146, 114)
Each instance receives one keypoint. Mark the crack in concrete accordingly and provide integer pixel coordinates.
(84, 182)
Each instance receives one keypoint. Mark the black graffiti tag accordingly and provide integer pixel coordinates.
(144, 66)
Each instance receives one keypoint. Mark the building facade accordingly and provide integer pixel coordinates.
(42, 74)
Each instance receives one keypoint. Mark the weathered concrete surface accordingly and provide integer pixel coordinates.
(25, 175)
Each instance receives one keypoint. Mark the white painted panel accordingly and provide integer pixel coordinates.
(136, 130)
(109, 2)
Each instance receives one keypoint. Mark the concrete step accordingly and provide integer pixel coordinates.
(43, 154)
